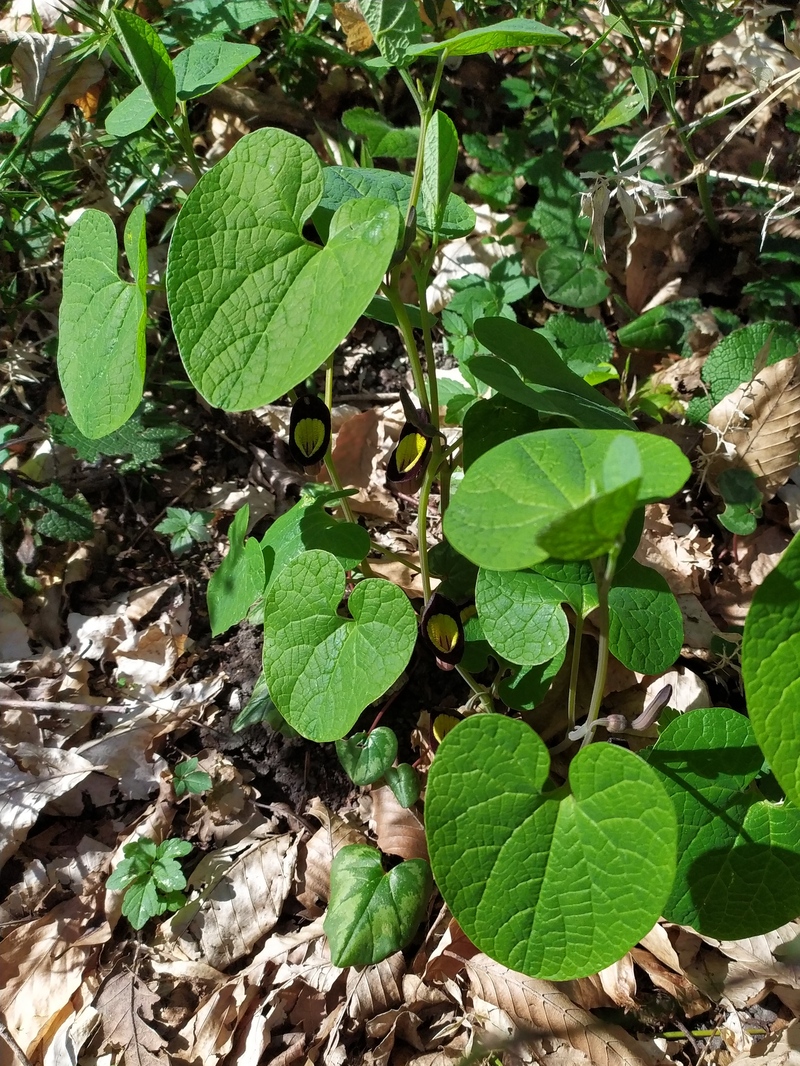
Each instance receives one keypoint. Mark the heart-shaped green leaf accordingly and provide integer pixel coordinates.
(395, 25)
(738, 854)
(513, 33)
(343, 184)
(521, 615)
(101, 345)
(367, 756)
(404, 781)
(372, 914)
(771, 669)
(645, 621)
(255, 306)
(514, 493)
(323, 669)
(554, 882)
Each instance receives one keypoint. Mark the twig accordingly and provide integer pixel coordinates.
(9, 1039)
(366, 398)
(55, 705)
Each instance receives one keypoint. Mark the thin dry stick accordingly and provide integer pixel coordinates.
(55, 705)
(9, 1039)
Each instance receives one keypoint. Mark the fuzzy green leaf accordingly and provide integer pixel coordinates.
(395, 26)
(404, 782)
(372, 914)
(141, 902)
(555, 883)
(738, 854)
(255, 306)
(239, 579)
(323, 669)
(771, 669)
(438, 168)
(521, 615)
(101, 347)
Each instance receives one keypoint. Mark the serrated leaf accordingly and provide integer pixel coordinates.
(149, 58)
(771, 669)
(367, 756)
(553, 883)
(101, 347)
(733, 361)
(738, 870)
(513, 33)
(131, 114)
(383, 139)
(187, 778)
(206, 64)
(581, 342)
(515, 492)
(144, 437)
(236, 316)
(168, 875)
(572, 277)
(372, 914)
(344, 184)
(141, 902)
(322, 669)
(173, 847)
(66, 518)
(645, 621)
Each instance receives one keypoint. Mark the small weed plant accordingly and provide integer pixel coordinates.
(554, 860)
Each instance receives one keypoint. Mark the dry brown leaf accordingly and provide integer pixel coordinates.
(544, 1013)
(126, 1006)
(399, 829)
(757, 427)
(315, 857)
(241, 903)
(615, 986)
(674, 984)
(355, 448)
(780, 1050)
(357, 32)
(28, 784)
(43, 964)
(41, 60)
(375, 989)
(68, 1042)
(677, 551)
(757, 556)
(410, 581)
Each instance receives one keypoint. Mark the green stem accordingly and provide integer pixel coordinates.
(603, 577)
(573, 673)
(330, 466)
(422, 516)
(483, 694)
(407, 333)
(180, 127)
(395, 558)
(427, 340)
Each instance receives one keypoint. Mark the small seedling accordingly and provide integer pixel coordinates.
(151, 878)
(185, 528)
(186, 778)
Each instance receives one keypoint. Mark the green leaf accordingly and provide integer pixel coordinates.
(206, 64)
(553, 387)
(733, 360)
(383, 139)
(457, 573)
(644, 79)
(258, 708)
(168, 875)
(704, 25)
(186, 528)
(131, 114)
(521, 615)
(173, 848)
(738, 870)
(742, 498)
(66, 518)
(255, 307)
(344, 184)
(187, 778)
(527, 686)
(554, 882)
(771, 669)
(395, 25)
(149, 58)
(404, 782)
(490, 422)
(144, 437)
(438, 168)
(101, 347)
(367, 756)
(582, 343)
(619, 115)
(239, 579)
(322, 669)
(556, 217)
(571, 277)
(513, 33)
(645, 621)
(657, 330)
(140, 902)
(514, 493)
(372, 914)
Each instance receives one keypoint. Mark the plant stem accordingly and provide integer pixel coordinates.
(395, 558)
(330, 466)
(180, 127)
(483, 694)
(573, 673)
(407, 333)
(422, 516)
(420, 277)
(604, 575)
